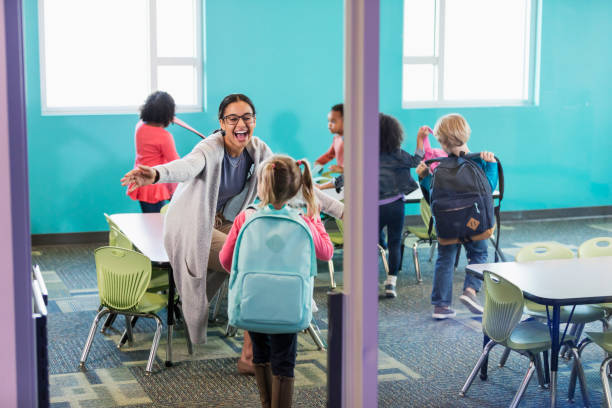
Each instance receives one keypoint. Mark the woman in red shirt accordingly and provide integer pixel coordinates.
(154, 146)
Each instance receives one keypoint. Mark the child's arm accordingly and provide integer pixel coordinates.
(226, 255)
(327, 156)
(168, 148)
(324, 249)
(490, 168)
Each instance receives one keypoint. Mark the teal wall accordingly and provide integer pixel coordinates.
(288, 57)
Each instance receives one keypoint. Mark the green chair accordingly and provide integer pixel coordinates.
(123, 278)
(503, 310)
(336, 236)
(164, 209)
(582, 313)
(595, 247)
(603, 340)
(423, 236)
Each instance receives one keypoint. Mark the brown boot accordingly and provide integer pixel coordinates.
(282, 391)
(245, 363)
(263, 376)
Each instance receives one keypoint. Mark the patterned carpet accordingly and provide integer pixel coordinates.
(422, 362)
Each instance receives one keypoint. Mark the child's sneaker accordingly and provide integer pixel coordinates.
(469, 300)
(390, 286)
(443, 312)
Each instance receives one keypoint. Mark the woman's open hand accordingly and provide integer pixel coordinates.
(140, 176)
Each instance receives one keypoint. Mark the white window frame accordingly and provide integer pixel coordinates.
(532, 45)
(155, 62)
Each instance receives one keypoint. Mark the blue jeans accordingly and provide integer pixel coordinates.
(392, 216)
(152, 207)
(442, 291)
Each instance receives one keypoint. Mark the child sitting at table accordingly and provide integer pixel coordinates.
(280, 179)
(335, 124)
(453, 132)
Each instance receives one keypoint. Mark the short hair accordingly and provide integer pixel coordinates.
(391, 133)
(231, 98)
(158, 108)
(452, 130)
(339, 107)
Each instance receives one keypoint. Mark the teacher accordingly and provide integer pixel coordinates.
(217, 181)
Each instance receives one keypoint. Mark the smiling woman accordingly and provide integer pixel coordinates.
(216, 184)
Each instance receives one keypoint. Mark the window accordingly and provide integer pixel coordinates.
(470, 53)
(107, 56)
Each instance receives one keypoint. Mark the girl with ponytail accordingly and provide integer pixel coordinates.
(280, 179)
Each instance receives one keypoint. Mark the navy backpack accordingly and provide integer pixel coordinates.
(461, 200)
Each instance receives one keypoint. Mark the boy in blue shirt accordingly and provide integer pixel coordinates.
(452, 132)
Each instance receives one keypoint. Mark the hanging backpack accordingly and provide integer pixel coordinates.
(461, 200)
(272, 277)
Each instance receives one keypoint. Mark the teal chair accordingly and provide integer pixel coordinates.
(421, 232)
(503, 310)
(123, 278)
(603, 340)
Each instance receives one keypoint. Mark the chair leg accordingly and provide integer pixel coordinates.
(155, 344)
(504, 357)
(481, 360)
(332, 282)
(579, 369)
(90, 337)
(417, 267)
(110, 319)
(220, 294)
(401, 262)
(603, 372)
(313, 330)
(383, 255)
(127, 333)
(519, 394)
(565, 349)
(572, 381)
(189, 344)
(546, 367)
(539, 372)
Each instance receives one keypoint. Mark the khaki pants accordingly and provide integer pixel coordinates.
(216, 274)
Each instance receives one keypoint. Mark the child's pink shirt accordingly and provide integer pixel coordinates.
(154, 145)
(324, 249)
(336, 150)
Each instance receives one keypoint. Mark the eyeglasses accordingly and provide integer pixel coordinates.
(234, 119)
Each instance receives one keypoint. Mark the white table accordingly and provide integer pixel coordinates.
(556, 283)
(145, 231)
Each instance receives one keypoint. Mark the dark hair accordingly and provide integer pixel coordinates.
(158, 108)
(231, 98)
(391, 133)
(338, 108)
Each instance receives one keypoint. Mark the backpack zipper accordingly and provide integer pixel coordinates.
(477, 210)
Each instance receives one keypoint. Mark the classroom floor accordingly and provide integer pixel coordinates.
(422, 362)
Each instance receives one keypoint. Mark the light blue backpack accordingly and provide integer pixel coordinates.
(273, 269)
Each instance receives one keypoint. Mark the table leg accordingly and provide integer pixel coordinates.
(554, 354)
(170, 321)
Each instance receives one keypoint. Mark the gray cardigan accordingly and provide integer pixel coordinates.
(190, 218)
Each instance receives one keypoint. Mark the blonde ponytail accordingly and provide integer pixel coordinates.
(312, 207)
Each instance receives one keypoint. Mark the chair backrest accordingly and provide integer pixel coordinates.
(503, 307)
(119, 239)
(426, 216)
(164, 209)
(123, 277)
(600, 246)
(539, 251)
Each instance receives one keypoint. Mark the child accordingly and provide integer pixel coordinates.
(154, 145)
(335, 124)
(453, 132)
(280, 179)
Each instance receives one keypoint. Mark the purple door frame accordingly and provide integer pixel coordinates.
(17, 342)
(360, 311)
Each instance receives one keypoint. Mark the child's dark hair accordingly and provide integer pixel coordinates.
(231, 98)
(158, 108)
(282, 179)
(391, 133)
(338, 108)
